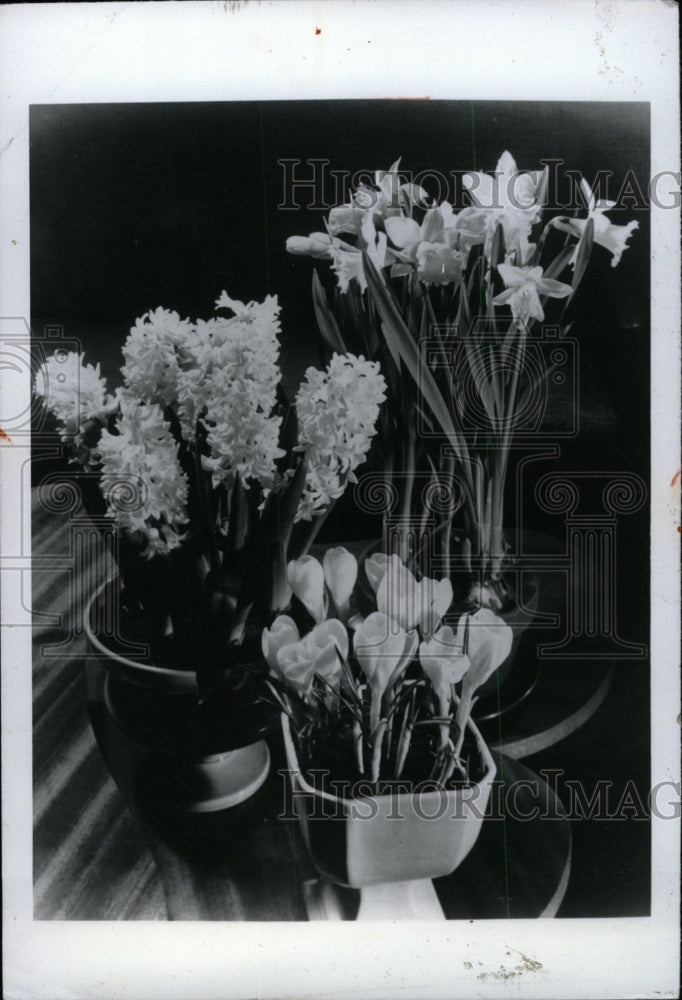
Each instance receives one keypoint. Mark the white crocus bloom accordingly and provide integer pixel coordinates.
(340, 573)
(487, 640)
(323, 643)
(306, 579)
(283, 632)
(295, 666)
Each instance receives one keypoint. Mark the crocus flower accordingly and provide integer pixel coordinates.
(377, 566)
(436, 599)
(524, 287)
(306, 579)
(340, 573)
(323, 642)
(296, 666)
(283, 632)
(444, 663)
(399, 597)
(606, 233)
(487, 640)
(380, 646)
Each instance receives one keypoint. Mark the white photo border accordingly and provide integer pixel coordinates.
(118, 52)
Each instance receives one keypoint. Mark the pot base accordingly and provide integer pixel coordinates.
(413, 900)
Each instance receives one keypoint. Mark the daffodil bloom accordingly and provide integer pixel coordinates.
(524, 287)
(340, 573)
(283, 632)
(425, 247)
(508, 198)
(306, 579)
(606, 233)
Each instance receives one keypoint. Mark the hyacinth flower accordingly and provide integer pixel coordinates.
(214, 479)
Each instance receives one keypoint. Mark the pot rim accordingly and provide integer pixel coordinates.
(144, 669)
(292, 758)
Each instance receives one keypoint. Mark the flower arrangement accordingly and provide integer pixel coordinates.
(383, 694)
(448, 301)
(212, 477)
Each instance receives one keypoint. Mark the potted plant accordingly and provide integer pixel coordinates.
(450, 301)
(390, 777)
(214, 481)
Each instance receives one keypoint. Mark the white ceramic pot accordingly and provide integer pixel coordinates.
(396, 838)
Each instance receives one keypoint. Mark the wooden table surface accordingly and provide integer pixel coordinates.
(96, 858)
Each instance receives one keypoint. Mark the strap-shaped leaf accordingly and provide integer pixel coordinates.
(583, 254)
(238, 529)
(325, 318)
(402, 343)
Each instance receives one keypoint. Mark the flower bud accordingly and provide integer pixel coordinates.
(316, 245)
(306, 579)
(340, 573)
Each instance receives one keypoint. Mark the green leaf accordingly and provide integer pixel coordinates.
(583, 255)
(402, 343)
(498, 249)
(325, 318)
(238, 529)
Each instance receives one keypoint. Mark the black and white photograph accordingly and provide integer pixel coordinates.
(345, 594)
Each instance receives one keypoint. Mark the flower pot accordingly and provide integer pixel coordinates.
(157, 713)
(367, 842)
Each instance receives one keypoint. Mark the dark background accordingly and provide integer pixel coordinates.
(139, 205)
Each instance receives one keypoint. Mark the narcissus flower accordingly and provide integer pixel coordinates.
(524, 287)
(606, 233)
